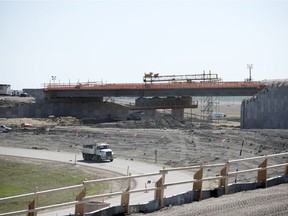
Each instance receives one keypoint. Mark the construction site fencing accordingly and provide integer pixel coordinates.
(226, 176)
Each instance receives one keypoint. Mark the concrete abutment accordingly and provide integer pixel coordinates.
(266, 110)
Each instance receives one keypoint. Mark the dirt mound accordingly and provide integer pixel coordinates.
(10, 101)
(16, 122)
(64, 121)
(158, 121)
(40, 122)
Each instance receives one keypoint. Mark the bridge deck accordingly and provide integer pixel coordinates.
(85, 90)
(139, 86)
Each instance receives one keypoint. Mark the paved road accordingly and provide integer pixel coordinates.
(118, 165)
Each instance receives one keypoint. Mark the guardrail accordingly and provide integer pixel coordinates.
(225, 175)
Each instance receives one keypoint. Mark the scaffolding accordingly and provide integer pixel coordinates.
(209, 105)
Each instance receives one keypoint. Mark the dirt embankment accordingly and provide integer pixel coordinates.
(269, 201)
(10, 101)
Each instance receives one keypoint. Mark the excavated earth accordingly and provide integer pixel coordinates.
(171, 143)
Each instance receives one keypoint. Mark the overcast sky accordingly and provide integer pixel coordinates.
(118, 41)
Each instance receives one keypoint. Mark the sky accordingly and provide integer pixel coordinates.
(119, 41)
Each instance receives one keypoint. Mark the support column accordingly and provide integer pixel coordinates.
(150, 113)
(178, 113)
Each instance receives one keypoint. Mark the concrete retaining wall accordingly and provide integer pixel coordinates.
(89, 110)
(267, 109)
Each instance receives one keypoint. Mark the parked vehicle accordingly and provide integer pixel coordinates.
(15, 93)
(135, 115)
(24, 94)
(4, 128)
(98, 152)
(218, 115)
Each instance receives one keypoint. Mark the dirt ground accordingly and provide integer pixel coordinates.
(261, 202)
(181, 145)
(162, 139)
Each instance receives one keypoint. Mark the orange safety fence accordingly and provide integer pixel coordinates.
(137, 86)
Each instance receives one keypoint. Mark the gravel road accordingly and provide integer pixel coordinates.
(118, 166)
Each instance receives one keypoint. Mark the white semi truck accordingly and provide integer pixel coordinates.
(98, 152)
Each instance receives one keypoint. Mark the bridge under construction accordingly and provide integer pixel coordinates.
(156, 86)
(173, 92)
(90, 100)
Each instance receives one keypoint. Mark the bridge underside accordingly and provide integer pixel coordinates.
(151, 92)
(147, 105)
(149, 100)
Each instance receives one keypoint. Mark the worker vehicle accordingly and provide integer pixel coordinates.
(98, 152)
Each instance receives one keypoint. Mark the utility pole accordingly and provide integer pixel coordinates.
(250, 67)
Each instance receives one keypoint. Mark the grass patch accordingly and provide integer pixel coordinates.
(30, 175)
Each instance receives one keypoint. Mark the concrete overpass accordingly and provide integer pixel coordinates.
(86, 100)
(90, 90)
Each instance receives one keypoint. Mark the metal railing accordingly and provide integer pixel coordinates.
(137, 86)
(198, 178)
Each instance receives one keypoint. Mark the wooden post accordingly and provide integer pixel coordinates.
(80, 208)
(159, 193)
(224, 181)
(164, 172)
(155, 155)
(32, 205)
(125, 197)
(286, 168)
(262, 174)
(197, 186)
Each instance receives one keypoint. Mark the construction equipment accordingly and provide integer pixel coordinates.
(155, 77)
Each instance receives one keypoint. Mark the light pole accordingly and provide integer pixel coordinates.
(250, 67)
(53, 78)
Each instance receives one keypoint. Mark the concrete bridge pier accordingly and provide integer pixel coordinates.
(150, 113)
(178, 113)
(176, 104)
